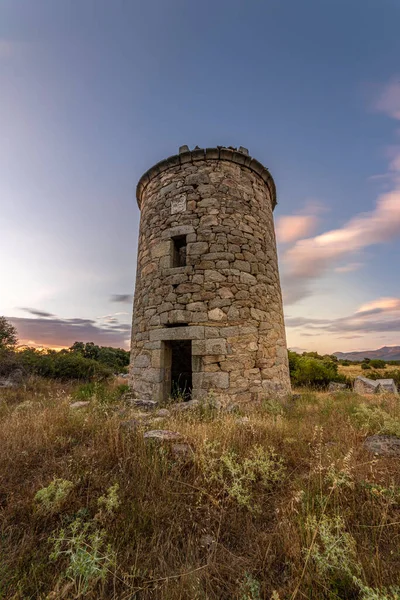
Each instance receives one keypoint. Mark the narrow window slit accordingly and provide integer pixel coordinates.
(179, 251)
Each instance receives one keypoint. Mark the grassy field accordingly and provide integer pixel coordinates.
(354, 370)
(277, 501)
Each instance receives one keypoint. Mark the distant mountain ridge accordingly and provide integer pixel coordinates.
(384, 353)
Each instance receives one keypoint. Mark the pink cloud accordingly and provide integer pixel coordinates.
(383, 304)
(293, 227)
(310, 257)
(389, 100)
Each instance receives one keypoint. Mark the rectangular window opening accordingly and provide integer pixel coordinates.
(179, 251)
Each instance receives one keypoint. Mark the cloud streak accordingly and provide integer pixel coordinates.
(37, 313)
(44, 331)
(389, 100)
(309, 258)
(381, 315)
(122, 298)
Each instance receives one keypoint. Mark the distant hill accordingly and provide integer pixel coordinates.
(385, 353)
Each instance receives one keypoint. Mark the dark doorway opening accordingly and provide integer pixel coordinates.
(181, 369)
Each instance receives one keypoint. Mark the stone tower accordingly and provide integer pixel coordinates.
(208, 308)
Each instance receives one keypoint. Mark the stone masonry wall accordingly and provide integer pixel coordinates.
(228, 294)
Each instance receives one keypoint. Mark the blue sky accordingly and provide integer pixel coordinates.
(94, 92)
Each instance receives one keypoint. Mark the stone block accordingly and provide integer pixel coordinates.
(211, 275)
(209, 346)
(216, 314)
(195, 332)
(160, 249)
(217, 381)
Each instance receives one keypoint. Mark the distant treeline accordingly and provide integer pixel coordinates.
(83, 361)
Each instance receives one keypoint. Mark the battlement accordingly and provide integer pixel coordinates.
(239, 156)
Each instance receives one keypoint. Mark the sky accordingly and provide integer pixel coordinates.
(93, 93)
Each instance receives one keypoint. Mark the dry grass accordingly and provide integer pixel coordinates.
(354, 370)
(263, 542)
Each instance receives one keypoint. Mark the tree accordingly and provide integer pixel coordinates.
(8, 335)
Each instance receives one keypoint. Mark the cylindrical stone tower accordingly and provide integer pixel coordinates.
(208, 309)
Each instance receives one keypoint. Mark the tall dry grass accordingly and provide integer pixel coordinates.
(284, 503)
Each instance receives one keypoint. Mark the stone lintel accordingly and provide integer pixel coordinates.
(178, 230)
(192, 332)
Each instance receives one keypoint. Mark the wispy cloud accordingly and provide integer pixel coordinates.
(380, 315)
(122, 298)
(37, 313)
(388, 101)
(309, 258)
(44, 331)
(293, 227)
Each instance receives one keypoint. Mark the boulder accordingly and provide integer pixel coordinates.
(163, 412)
(162, 435)
(383, 445)
(363, 385)
(79, 404)
(182, 406)
(144, 404)
(387, 385)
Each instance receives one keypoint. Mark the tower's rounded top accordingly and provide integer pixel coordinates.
(239, 156)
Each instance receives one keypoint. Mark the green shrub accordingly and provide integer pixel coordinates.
(89, 558)
(50, 499)
(313, 370)
(62, 365)
(376, 363)
(365, 366)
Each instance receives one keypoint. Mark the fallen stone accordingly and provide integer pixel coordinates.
(79, 404)
(334, 386)
(383, 445)
(182, 406)
(163, 412)
(162, 435)
(144, 404)
(387, 385)
(363, 385)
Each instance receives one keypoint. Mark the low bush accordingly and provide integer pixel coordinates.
(63, 366)
(313, 371)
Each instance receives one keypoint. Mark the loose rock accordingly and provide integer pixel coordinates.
(163, 435)
(144, 404)
(383, 445)
(79, 404)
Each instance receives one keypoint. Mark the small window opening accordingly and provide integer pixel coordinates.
(177, 324)
(179, 251)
